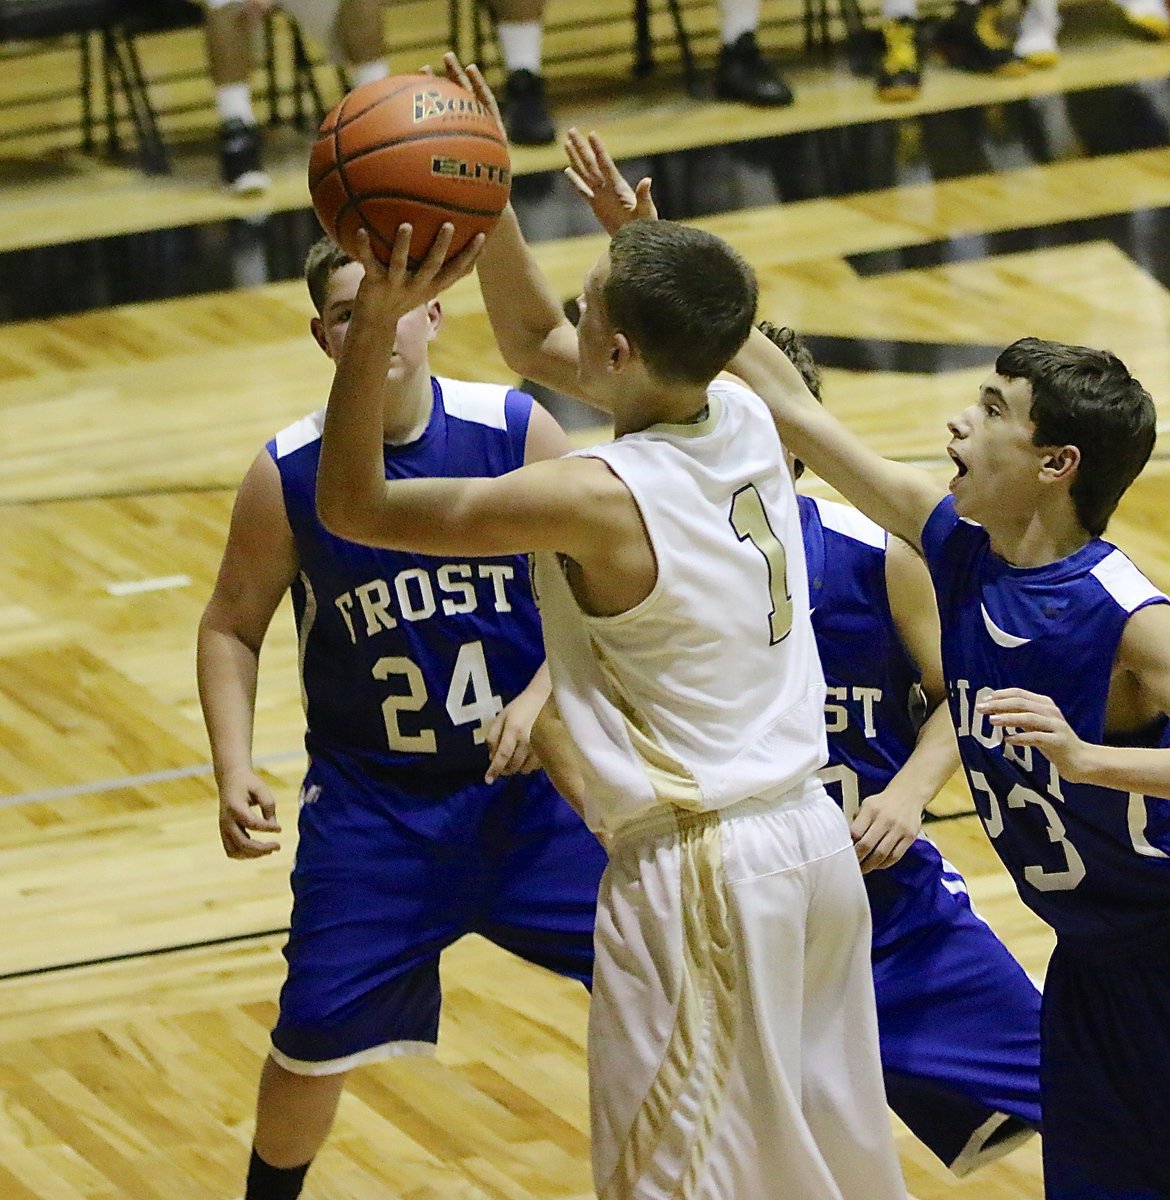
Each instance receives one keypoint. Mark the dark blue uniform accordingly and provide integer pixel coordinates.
(958, 1018)
(1092, 862)
(405, 658)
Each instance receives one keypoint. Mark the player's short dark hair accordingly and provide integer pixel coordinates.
(801, 358)
(1086, 398)
(684, 298)
(324, 257)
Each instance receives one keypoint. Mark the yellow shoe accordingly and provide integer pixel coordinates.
(1150, 20)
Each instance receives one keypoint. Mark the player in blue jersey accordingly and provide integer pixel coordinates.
(421, 818)
(958, 1018)
(1056, 654)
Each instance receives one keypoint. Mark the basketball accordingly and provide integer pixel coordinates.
(408, 148)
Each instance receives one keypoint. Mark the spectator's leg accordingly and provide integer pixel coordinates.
(520, 28)
(227, 30)
(899, 71)
(1036, 36)
(972, 39)
(743, 73)
(362, 39)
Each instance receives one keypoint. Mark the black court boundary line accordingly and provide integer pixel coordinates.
(982, 247)
(255, 936)
(1094, 146)
(132, 955)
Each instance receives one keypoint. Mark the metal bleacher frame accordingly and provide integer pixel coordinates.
(113, 90)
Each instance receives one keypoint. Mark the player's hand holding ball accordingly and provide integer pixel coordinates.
(394, 286)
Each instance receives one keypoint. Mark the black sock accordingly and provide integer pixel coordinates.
(274, 1183)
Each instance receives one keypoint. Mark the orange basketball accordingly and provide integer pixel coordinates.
(409, 148)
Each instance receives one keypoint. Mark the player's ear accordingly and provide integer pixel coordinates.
(434, 318)
(1060, 462)
(317, 329)
(620, 352)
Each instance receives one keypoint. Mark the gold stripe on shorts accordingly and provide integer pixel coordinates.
(708, 986)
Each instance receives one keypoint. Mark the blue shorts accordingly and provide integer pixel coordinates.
(375, 902)
(958, 1021)
(1106, 1073)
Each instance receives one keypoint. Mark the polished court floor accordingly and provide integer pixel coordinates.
(153, 333)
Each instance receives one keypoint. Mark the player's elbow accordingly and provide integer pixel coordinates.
(341, 515)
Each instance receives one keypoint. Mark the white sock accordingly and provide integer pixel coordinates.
(233, 102)
(368, 72)
(1145, 8)
(1039, 25)
(899, 10)
(738, 17)
(520, 45)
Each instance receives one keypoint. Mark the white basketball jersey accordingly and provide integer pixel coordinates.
(710, 690)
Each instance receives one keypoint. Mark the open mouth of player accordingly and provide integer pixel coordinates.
(960, 466)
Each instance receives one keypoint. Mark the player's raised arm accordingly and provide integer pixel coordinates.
(576, 506)
(598, 182)
(898, 497)
(535, 337)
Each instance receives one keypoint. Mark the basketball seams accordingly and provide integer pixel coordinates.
(348, 198)
(430, 202)
(442, 135)
(339, 166)
(446, 134)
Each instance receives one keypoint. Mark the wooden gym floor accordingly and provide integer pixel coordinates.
(155, 335)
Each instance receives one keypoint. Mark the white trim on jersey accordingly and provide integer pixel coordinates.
(482, 403)
(1001, 637)
(842, 519)
(337, 1066)
(1124, 582)
(300, 433)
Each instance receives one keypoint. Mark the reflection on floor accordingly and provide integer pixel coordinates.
(841, 161)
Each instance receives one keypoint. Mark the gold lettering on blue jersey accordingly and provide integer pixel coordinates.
(344, 604)
(498, 573)
(414, 607)
(419, 593)
(837, 715)
(982, 729)
(454, 579)
(374, 597)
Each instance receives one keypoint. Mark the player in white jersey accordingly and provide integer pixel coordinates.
(733, 1046)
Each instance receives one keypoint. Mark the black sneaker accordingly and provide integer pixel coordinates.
(972, 39)
(744, 74)
(239, 158)
(525, 116)
(899, 74)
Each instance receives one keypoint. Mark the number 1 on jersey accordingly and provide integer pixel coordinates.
(750, 522)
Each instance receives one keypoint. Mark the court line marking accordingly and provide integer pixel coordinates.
(151, 952)
(128, 781)
(160, 583)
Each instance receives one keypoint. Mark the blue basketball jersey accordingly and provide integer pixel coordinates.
(874, 704)
(406, 657)
(1092, 862)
